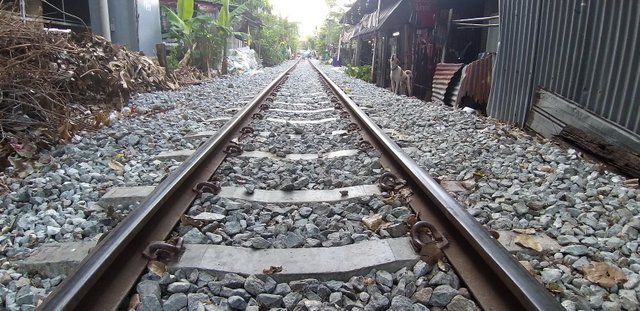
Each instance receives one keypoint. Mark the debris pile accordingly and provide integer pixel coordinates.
(188, 75)
(242, 60)
(52, 84)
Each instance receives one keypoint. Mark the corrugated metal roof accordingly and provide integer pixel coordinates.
(363, 7)
(370, 23)
(442, 80)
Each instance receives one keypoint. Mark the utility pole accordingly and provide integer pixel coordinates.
(375, 41)
(105, 23)
(446, 38)
(23, 11)
(340, 43)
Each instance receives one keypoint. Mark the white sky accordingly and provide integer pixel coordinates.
(309, 14)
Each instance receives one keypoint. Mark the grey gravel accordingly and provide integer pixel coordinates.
(402, 303)
(377, 290)
(442, 295)
(269, 174)
(60, 200)
(384, 278)
(149, 303)
(237, 302)
(260, 225)
(175, 302)
(179, 287)
(512, 180)
(460, 303)
(270, 300)
(194, 236)
(149, 288)
(254, 285)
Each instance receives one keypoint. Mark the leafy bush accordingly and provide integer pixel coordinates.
(276, 39)
(173, 58)
(272, 55)
(360, 72)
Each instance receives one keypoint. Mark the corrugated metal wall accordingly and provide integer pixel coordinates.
(512, 85)
(584, 50)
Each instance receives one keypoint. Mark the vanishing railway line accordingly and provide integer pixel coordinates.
(294, 200)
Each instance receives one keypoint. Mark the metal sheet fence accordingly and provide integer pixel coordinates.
(584, 50)
(512, 86)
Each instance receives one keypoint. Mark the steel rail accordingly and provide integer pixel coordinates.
(499, 282)
(105, 277)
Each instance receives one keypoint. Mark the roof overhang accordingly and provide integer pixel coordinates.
(396, 13)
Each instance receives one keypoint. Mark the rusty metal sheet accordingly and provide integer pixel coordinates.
(442, 79)
(476, 81)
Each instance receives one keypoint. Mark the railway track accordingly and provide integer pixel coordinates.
(297, 198)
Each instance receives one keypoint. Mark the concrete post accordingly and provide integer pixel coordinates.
(105, 23)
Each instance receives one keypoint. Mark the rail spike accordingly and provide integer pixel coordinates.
(390, 182)
(365, 145)
(246, 131)
(428, 242)
(208, 187)
(164, 251)
(233, 150)
(353, 127)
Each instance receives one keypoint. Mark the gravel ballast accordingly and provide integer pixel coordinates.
(263, 225)
(508, 180)
(59, 201)
(420, 287)
(259, 225)
(516, 181)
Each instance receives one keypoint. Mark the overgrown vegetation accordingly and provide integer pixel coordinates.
(54, 84)
(276, 40)
(326, 40)
(360, 72)
(203, 41)
(200, 37)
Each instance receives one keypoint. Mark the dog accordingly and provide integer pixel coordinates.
(399, 78)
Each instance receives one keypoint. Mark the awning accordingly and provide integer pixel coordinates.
(395, 12)
(348, 33)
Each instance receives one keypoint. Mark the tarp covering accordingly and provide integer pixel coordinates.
(348, 33)
(369, 23)
(242, 60)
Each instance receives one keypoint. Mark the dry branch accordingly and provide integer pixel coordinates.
(51, 83)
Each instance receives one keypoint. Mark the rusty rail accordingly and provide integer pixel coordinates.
(494, 277)
(105, 277)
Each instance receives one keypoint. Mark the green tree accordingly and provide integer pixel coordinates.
(204, 39)
(255, 6)
(327, 37)
(276, 38)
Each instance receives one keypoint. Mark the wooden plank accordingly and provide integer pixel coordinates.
(627, 162)
(570, 113)
(544, 124)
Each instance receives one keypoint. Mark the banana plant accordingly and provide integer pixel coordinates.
(187, 28)
(224, 24)
(181, 19)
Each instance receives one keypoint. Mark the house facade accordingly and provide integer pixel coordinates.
(421, 33)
